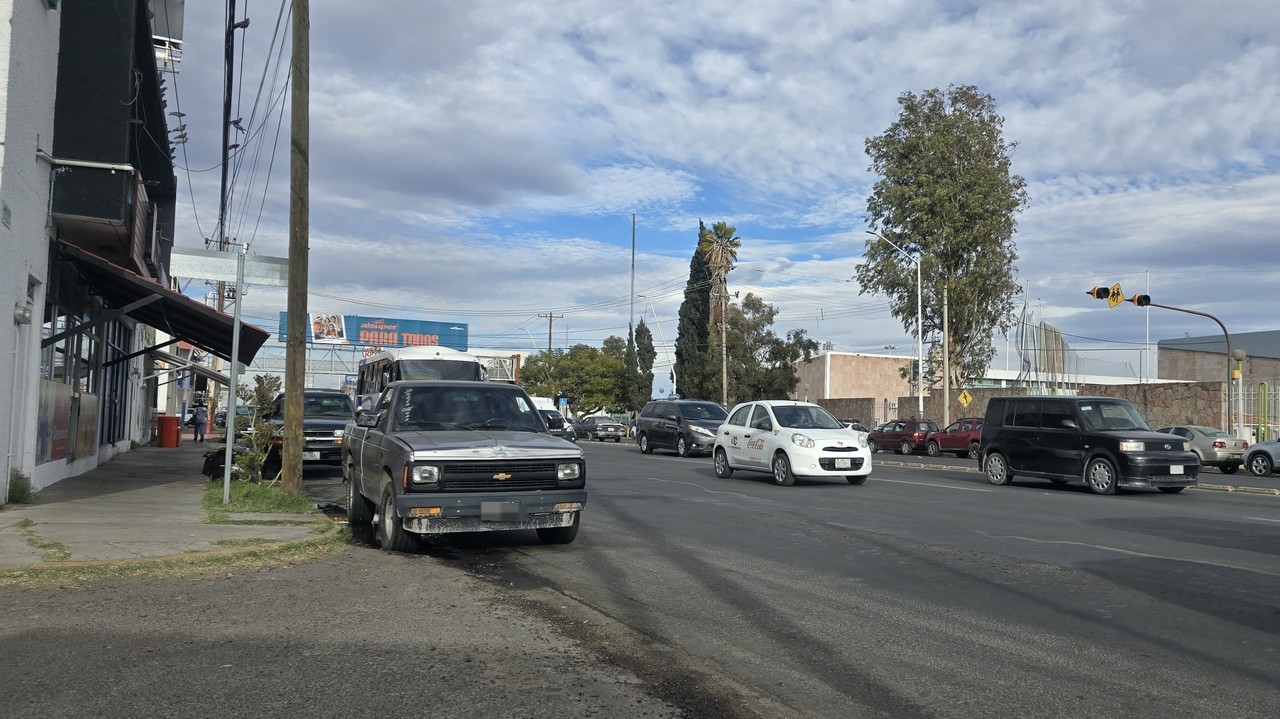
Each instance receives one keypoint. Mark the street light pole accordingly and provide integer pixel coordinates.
(919, 324)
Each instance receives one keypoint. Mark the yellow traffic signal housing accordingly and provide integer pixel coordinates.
(1100, 293)
(1141, 300)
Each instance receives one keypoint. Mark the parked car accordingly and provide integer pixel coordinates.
(437, 457)
(557, 425)
(686, 425)
(854, 425)
(325, 415)
(1101, 441)
(1263, 458)
(961, 438)
(601, 428)
(904, 436)
(1214, 447)
(790, 439)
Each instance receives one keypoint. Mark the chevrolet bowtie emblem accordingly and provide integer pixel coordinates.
(502, 475)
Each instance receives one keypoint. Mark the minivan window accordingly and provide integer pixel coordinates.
(703, 410)
(1023, 413)
(1110, 416)
(1053, 414)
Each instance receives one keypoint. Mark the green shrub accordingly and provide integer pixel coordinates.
(19, 488)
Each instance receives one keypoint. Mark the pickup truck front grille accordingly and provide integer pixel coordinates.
(498, 476)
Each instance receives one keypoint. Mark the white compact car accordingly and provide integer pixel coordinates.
(790, 439)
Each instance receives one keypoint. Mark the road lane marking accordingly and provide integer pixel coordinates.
(930, 484)
(1132, 552)
(699, 486)
(1262, 519)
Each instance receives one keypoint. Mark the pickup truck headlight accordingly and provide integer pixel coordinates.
(568, 472)
(1132, 445)
(801, 440)
(424, 474)
(701, 430)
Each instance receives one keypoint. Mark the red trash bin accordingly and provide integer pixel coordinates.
(170, 430)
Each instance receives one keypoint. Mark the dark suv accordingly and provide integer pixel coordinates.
(686, 425)
(1101, 441)
(325, 414)
(904, 436)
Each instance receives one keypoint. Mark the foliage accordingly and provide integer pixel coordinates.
(588, 376)
(946, 195)
(645, 355)
(693, 375)
(762, 365)
(253, 497)
(19, 488)
(258, 441)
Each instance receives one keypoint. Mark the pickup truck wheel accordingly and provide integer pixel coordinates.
(359, 509)
(782, 475)
(391, 534)
(723, 470)
(560, 535)
(645, 447)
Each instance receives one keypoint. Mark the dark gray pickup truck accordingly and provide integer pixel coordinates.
(435, 457)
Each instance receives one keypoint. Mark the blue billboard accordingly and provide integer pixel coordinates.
(360, 331)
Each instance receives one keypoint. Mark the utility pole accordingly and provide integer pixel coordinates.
(295, 357)
(229, 61)
(551, 317)
(946, 363)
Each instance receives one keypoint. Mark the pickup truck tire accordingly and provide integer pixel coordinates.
(560, 535)
(391, 534)
(359, 509)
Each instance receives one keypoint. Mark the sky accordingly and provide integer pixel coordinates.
(481, 162)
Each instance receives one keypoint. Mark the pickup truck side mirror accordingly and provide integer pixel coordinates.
(366, 418)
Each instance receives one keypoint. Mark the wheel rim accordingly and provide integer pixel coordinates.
(681, 448)
(906, 447)
(644, 443)
(995, 468)
(722, 463)
(779, 470)
(871, 445)
(1259, 465)
(1100, 477)
(388, 516)
(933, 449)
(973, 451)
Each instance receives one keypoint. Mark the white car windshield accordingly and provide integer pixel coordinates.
(805, 417)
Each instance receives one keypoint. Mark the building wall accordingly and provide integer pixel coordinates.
(28, 78)
(842, 375)
(1196, 366)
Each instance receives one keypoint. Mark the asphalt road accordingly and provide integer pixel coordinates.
(924, 593)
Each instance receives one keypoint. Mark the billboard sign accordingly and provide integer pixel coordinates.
(361, 331)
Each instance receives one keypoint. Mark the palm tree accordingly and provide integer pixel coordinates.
(720, 246)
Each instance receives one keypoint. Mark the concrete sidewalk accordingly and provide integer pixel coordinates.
(144, 503)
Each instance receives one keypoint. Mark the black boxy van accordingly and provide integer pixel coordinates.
(1101, 441)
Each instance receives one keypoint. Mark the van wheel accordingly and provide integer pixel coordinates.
(723, 470)
(682, 447)
(906, 447)
(782, 475)
(359, 509)
(973, 450)
(998, 469)
(645, 448)
(391, 534)
(560, 535)
(1100, 476)
(932, 449)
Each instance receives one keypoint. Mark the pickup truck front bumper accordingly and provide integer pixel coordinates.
(444, 513)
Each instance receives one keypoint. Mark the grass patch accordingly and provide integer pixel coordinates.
(53, 551)
(253, 497)
(195, 565)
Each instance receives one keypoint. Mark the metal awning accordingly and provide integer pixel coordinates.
(178, 363)
(153, 304)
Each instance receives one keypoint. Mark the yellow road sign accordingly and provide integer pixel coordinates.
(1117, 296)
(965, 398)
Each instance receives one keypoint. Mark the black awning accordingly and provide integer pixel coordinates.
(170, 311)
(178, 363)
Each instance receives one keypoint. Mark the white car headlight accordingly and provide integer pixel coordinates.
(801, 440)
(425, 474)
(566, 472)
(701, 430)
(862, 439)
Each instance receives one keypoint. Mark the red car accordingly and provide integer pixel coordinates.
(904, 436)
(962, 438)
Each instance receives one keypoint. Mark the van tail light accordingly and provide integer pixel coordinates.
(1219, 444)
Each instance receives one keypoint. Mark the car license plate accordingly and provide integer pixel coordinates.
(1175, 469)
(500, 511)
(310, 455)
(843, 463)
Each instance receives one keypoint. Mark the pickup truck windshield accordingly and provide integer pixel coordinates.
(451, 408)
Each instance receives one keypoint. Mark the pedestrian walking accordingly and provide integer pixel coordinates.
(200, 416)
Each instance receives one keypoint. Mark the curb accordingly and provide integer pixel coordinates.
(1265, 491)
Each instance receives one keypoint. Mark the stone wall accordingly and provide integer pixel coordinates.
(1176, 403)
(862, 409)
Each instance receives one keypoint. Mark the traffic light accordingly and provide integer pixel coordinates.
(1141, 300)
(1097, 292)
